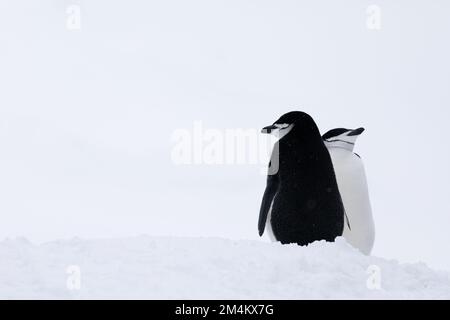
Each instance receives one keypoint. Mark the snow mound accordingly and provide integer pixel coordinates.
(207, 268)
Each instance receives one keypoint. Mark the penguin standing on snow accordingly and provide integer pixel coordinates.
(352, 183)
(301, 203)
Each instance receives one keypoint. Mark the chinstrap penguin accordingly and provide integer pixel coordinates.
(301, 203)
(352, 182)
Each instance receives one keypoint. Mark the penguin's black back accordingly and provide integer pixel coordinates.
(307, 206)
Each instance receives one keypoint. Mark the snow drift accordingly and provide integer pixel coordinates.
(207, 268)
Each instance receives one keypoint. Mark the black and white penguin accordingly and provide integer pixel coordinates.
(352, 183)
(301, 203)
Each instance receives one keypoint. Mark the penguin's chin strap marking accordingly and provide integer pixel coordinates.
(339, 140)
(339, 144)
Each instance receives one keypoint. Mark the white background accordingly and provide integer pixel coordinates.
(86, 116)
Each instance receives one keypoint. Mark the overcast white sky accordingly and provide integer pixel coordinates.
(86, 116)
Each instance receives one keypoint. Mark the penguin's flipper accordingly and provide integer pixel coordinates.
(347, 220)
(271, 190)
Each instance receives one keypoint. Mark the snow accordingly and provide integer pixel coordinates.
(147, 267)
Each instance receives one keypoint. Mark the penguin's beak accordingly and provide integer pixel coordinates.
(269, 129)
(356, 132)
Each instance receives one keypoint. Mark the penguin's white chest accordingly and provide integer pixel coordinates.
(352, 183)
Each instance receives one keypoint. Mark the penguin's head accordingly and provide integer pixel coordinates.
(342, 138)
(287, 122)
